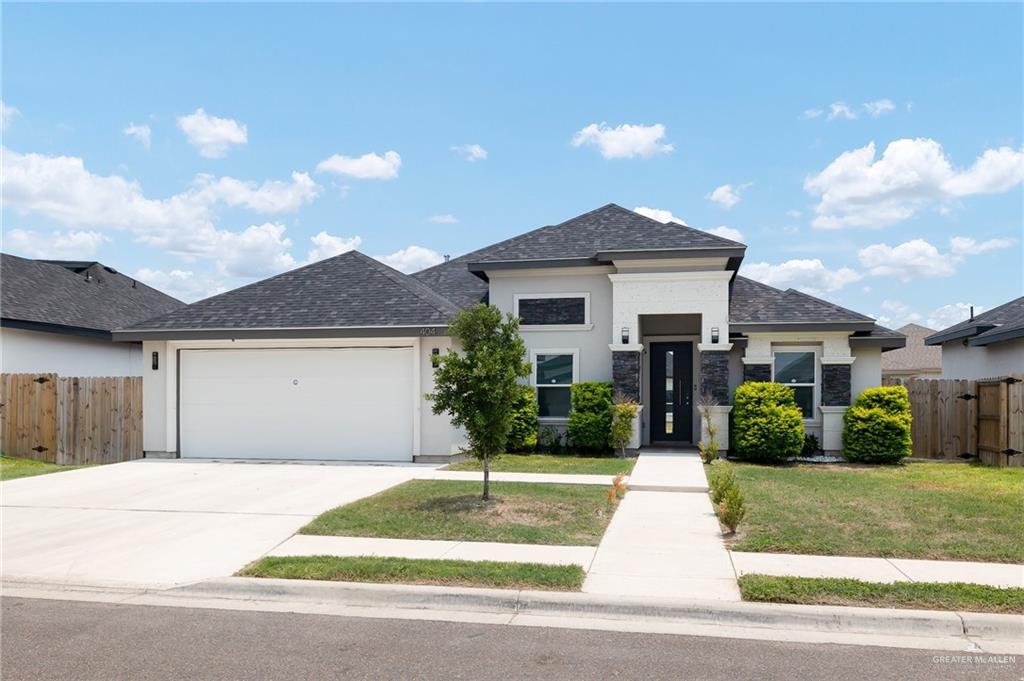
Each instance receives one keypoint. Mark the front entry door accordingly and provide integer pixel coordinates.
(672, 392)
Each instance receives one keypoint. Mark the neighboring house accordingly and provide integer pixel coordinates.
(57, 317)
(330, 361)
(916, 360)
(987, 345)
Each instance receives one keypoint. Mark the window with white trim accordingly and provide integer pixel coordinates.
(552, 309)
(554, 371)
(797, 368)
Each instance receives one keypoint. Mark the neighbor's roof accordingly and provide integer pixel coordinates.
(76, 297)
(600, 235)
(916, 356)
(1002, 323)
(350, 290)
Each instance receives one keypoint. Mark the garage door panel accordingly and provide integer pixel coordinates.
(329, 403)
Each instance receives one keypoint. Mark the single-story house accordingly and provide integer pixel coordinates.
(916, 360)
(987, 345)
(56, 316)
(331, 360)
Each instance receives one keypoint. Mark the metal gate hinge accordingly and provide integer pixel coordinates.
(41, 380)
(39, 448)
(967, 396)
(1011, 452)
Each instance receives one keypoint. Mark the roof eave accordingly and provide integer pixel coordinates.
(884, 342)
(396, 331)
(63, 329)
(997, 337)
(963, 332)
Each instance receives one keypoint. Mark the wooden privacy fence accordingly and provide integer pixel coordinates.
(957, 417)
(71, 420)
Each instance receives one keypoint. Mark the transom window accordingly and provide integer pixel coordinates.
(553, 372)
(798, 370)
(553, 309)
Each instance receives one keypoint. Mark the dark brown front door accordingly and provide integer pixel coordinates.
(671, 396)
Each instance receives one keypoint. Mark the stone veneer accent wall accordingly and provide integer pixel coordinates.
(714, 375)
(626, 373)
(757, 372)
(835, 385)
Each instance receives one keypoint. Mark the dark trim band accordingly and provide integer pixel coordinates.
(233, 334)
(56, 328)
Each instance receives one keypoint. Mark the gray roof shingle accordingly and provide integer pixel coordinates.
(1006, 315)
(916, 356)
(348, 290)
(78, 295)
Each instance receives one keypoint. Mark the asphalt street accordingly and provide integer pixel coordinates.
(49, 639)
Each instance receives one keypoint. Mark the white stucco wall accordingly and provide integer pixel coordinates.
(991, 361)
(866, 370)
(154, 399)
(23, 351)
(653, 293)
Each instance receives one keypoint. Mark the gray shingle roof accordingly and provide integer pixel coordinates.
(79, 295)
(454, 281)
(755, 303)
(1006, 315)
(608, 228)
(348, 290)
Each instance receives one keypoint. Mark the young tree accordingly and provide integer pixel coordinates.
(478, 387)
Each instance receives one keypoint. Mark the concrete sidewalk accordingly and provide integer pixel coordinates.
(550, 478)
(310, 545)
(884, 570)
(668, 470)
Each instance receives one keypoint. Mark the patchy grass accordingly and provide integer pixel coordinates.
(927, 596)
(518, 513)
(550, 463)
(12, 468)
(420, 571)
(944, 511)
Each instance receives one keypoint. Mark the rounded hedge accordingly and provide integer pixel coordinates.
(590, 420)
(767, 423)
(522, 436)
(876, 429)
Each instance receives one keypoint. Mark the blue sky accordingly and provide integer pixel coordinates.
(868, 154)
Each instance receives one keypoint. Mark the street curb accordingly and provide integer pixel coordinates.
(924, 623)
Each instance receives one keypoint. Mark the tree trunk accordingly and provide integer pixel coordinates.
(487, 477)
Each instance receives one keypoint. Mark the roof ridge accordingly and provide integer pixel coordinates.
(681, 224)
(983, 315)
(412, 285)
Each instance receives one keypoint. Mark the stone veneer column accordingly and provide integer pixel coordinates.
(714, 383)
(835, 384)
(835, 398)
(626, 373)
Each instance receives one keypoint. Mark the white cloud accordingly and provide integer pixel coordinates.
(411, 259)
(841, 110)
(915, 258)
(624, 141)
(182, 284)
(899, 314)
(211, 135)
(858, 190)
(726, 195)
(7, 115)
(327, 246)
(258, 251)
(471, 152)
(658, 214)
(366, 167)
(810, 276)
(951, 314)
(962, 245)
(879, 107)
(726, 233)
(444, 219)
(793, 213)
(808, 114)
(141, 133)
(273, 196)
(80, 245)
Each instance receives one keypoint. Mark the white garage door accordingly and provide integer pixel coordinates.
(308, 403)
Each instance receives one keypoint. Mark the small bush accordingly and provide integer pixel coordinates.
(722, 479)
(522, 437)
(876, 429)
(550, 440)
(811, 446)
(624, 411)
(731, 510)
(708, 447)
(767, 424)
(590, 420)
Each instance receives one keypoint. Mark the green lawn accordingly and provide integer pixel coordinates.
(820, 591)
(948, 511)
(518, 513)
(12, 468)
(551, 463)
(420, 571)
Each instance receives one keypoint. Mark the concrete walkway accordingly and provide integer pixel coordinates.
(550, 478)
(309, 545)
(664, 543)
(885, 570)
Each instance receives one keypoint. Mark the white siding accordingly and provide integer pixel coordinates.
(990, 361)
(866, 370)
(24, 351)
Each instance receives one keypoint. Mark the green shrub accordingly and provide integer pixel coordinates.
(723, 478)
(811, 446)
(550, 440)
(590, 420)
(876, 429)
(767, 424)
(731, 509)
(624, 411)
(522, 436)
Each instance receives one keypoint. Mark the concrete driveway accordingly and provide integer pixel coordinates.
(161, 523)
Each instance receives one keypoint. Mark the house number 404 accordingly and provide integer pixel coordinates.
(428, 331)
